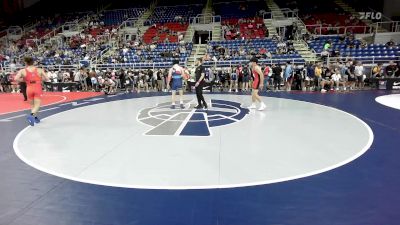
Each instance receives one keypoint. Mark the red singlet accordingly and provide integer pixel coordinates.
(33, 84)
(256, 81)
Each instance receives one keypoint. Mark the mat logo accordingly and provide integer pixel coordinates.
(190, 121)
(370, 15)
(396, 85)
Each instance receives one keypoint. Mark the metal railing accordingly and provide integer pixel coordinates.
(267, 16)
(289, 13)
(373, 60)
(365, 59)
(29, 26)
(119, 10)
(286, 12)
(49, 35)
(388, 26)
(230, 63)
(319, 29)
(14, 30)
(129, 23)
(205, 19)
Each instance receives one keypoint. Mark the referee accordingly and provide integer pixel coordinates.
(200, 73)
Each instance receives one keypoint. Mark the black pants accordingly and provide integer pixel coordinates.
(277, 82)
(200, 97)
(22, 86)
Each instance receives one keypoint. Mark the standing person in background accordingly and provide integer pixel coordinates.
(233, 80)
(276, 74)
(165, 80)
(160, 80)
(350, 73)
(267, 76)
(93, 79)
(83, 76)
(13, 81)
(310, 77)
(288, 76)
(318, 74)
(3, 82)
(359, 72)
(151, 79)
(22, 86)
(88, 79)
(239, 72)
(392, 69)
(33, 77)
(246, 78)
(78, 79)
(121, 78)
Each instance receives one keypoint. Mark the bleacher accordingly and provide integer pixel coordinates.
(169, 19)
(372, 52)
(311, 6)
(239, 9)
(156, 57)
(116, 17)
(158, 31)
(157, 54)
(337, 22)
(77, 56)
(169, 14)
(321, 16)
(252, 29)
(47, 25)
(365, 5)
(248, 45)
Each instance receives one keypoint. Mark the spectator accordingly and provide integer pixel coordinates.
(276, 74)
(392, 69)
(338, 80)
(377, 71)
(350, 69)
(288, 76)
(390, 43)
(310, 76)
(326, 80)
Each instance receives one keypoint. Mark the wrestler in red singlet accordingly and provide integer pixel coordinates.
(33, 84)
(33, 78)
(256, 81)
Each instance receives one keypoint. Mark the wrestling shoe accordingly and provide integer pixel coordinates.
(262, 107)
(252, 106)
(30, 120)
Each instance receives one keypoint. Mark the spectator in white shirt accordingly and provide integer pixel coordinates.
(338, 80)
(359, 72)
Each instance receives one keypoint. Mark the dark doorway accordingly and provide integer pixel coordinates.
(202, 37)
